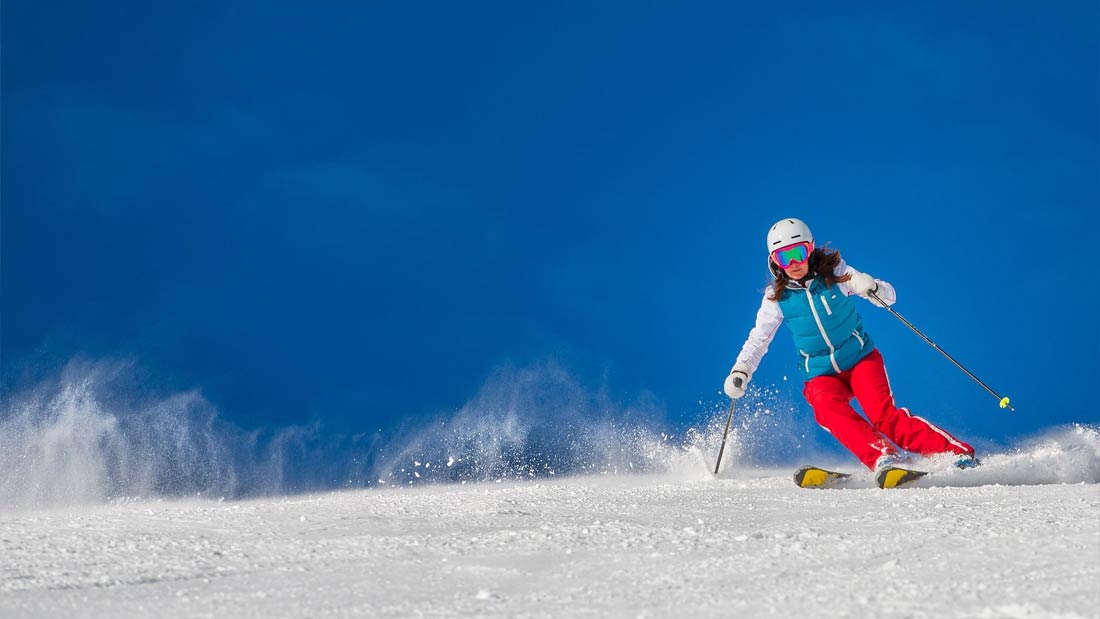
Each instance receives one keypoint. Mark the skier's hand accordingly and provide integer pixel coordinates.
(737, 381)
(863, 285)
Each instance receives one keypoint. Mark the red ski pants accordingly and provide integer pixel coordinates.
(831, 396)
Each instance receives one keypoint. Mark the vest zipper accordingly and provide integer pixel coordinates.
(824, 335)
(828, 310)
(807, 361)
(855, 332)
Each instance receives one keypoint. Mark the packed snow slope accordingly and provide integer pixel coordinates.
(536, 499)
(748, 544)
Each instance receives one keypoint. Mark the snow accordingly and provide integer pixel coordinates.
(119, 507)
(748, 544)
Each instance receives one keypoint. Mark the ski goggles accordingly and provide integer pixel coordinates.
(792, 254)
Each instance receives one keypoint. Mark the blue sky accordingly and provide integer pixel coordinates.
(356, 212)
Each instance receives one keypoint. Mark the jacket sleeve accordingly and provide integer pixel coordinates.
(768, 319)
(885, 289)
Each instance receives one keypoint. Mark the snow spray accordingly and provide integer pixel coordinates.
(540, 421)
(90, 434)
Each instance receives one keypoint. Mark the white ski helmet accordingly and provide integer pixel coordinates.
(788, 232)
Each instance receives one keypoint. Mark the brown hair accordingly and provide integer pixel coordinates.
(823, 263)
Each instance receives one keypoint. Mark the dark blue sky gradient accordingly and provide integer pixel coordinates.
(356, 212)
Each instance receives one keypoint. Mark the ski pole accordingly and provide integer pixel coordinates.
(729, 418)
(1003, 400)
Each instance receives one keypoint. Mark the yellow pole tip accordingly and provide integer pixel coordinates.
(1004, 402)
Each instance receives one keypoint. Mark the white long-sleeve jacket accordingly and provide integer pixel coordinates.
(770, 316)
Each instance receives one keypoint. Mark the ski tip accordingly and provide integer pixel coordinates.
(813, 477)
(892, 477)
(810, 477)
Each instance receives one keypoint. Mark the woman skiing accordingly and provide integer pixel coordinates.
(838, 360)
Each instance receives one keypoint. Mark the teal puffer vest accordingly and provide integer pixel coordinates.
(827, 329)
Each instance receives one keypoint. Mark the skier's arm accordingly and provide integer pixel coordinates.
(861, 284)
(768, 319)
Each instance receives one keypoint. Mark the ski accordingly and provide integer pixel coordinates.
(892, 477)
(813, 477)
